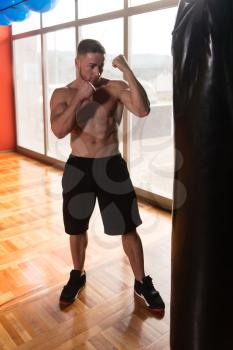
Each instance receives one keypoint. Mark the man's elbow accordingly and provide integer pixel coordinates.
(58, 133)
(143, 113)
(60, 136)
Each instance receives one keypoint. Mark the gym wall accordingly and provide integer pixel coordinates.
(7, 110)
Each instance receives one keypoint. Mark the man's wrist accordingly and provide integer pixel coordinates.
(128, 73)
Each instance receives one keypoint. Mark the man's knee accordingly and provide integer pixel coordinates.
(79, 239)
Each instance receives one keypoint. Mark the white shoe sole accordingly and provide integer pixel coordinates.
(159, 309)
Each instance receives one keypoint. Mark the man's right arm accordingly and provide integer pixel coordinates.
(63, 115)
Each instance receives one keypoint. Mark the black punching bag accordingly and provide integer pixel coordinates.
(202, 249)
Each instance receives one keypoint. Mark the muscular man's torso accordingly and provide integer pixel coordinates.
(96, 132)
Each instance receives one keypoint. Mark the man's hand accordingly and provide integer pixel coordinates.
(85, 91)
(121, 63)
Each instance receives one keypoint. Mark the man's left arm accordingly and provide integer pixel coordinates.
(132, 95)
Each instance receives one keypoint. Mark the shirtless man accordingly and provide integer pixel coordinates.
(90, 110)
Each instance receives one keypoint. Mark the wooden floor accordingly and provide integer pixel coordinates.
(35, 264)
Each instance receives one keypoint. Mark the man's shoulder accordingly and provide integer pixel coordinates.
(60, 94)
(61, 90)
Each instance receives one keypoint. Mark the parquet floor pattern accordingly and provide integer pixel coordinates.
(35, 263)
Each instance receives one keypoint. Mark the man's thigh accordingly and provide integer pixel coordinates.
(117, 198)
(78, 197)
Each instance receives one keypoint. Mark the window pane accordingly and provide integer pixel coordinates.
(88, 8)
(31, 23)
(151, 138)
(60, 70)
(140, 2)
(62, 13)
(105, 32)
(28, 89)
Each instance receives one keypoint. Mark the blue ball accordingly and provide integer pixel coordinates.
(4, 21)
(7, 3)
(17, 13)
(41, 5)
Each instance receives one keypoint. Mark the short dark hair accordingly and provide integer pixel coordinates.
(90, 45)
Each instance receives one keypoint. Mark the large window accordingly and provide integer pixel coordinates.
(141, 30)
(140, 2)
(151, 139)
(88, 8)
(63, 12)
(28, 90)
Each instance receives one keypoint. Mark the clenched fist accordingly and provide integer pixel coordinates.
(121, 63)
(85, 90)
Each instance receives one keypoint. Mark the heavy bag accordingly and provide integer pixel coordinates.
(202, 249)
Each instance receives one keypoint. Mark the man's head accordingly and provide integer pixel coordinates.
(90, 46)
(90, 60)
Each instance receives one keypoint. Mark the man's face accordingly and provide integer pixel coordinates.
(90, 66)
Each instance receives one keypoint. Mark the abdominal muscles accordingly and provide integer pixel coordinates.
(96, 135)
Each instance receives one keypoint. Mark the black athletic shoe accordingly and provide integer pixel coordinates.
(75, 284)
(146, 291)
